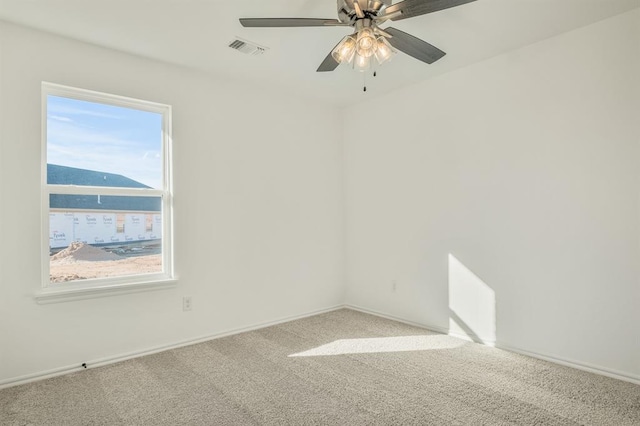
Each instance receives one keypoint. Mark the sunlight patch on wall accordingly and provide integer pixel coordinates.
(383, 344)
(472, 304)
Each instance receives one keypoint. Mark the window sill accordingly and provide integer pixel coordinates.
(48, 295)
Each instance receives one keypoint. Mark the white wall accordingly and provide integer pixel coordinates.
(258, 208)
(514, 180)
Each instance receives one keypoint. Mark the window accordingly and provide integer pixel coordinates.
(106, 191)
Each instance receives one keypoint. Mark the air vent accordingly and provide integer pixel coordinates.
(247, 47)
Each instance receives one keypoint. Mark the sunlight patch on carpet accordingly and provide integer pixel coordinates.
(382, 345)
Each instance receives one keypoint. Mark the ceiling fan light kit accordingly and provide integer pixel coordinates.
(359, 48)
(369, 42)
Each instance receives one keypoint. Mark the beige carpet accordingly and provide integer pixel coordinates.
(339, 368)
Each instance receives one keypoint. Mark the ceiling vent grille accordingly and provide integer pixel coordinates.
(247, 47)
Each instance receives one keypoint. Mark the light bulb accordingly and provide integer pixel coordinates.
(345, 50)
(366, 44)
(384, 52)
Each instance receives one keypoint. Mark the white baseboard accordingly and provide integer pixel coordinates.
(603, 371)
(136, 354)
(394, 318)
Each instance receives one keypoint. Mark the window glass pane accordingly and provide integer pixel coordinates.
(93, 236)
(94, 144)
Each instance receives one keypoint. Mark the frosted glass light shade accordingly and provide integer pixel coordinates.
(384, 52)
(361, 63)
(345, 50)
(366, 43)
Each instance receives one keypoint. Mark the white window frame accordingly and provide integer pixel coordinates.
(95, 287)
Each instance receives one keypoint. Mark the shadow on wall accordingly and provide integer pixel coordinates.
(472, 305)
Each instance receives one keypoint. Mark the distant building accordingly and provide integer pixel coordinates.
(100, 220)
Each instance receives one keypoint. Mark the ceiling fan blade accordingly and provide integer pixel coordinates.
(410, 8)
(413, 46)
(289, 22)
(329, 64)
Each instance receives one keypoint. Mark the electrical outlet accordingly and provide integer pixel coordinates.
(186, 303)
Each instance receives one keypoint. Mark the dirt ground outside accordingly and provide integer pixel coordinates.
(81, 261)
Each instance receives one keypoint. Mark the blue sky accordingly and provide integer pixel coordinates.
(105, 138)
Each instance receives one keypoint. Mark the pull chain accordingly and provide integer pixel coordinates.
(364, 79)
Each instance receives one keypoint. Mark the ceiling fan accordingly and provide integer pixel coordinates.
(369, 41)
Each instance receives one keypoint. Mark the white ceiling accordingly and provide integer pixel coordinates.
(195, 33)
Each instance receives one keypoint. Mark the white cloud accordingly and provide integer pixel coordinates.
(68, 110)
(150, 155)
(60, 118)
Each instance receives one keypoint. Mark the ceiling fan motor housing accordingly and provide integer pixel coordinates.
(347, 10)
